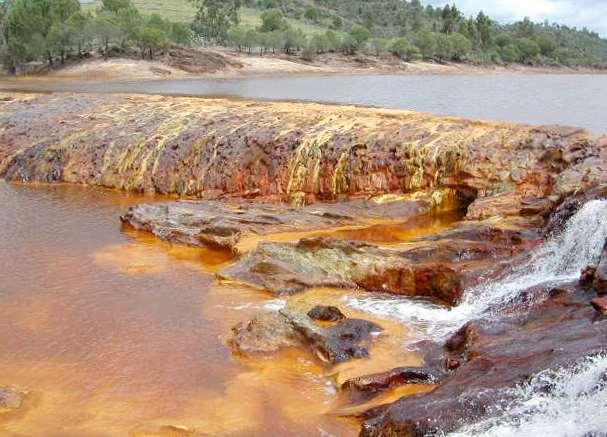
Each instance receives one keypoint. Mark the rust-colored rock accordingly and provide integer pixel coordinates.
(587, 276)
(230, 224)
(299, 152)
(369, 385)
(499, 354)
(326, 262)
(268, 332)
(600, 305)
(326, 313)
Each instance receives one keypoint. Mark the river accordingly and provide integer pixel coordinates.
(568, 99)
(112, 331)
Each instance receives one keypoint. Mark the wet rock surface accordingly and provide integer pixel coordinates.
(286, 268)
(270, 331)
(293, 151)
(365, 387)
(326, 313)
(226, 223)
(494, 355)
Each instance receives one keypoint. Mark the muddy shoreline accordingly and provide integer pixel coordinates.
(297, 196)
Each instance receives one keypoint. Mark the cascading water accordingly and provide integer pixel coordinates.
(558, 260)
(565, 402)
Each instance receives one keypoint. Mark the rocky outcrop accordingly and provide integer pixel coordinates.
(229, 224)
(495, 355)
(268, 332)
(326, 262)
(299, 152)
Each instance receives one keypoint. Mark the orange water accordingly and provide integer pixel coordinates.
(112, 332)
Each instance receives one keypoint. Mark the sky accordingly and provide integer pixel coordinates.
(579, 13)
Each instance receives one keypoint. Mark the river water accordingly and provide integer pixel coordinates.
(573, 100)
(112, 331)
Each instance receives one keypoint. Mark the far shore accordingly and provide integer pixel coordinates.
(228, 64)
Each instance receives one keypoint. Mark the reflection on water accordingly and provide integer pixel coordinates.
(111, 331)
(569, 99)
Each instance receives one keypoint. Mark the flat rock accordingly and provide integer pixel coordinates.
(286, 268)
(227, 223)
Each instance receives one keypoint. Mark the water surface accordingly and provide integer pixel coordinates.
(569, 99)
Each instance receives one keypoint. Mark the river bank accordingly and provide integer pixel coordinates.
(351, 265)
(220, 63)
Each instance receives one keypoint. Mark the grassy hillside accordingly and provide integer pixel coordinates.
(183, 11)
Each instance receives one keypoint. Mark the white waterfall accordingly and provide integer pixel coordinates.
(558, 260)
(562, 403)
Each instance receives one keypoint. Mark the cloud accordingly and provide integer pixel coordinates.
(591, 14)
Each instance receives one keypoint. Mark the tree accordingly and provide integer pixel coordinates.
(503, 40)
(151, 38)
(312, 14)
(483, 27)
(378, 45)
(272, 20)
(426, 43)
(337, 22)
(443, 48)
(403, 49)
(360, 35)
(546, 44)
(238, 36)
(451, 17)
(215, 17)
(528, 49)
(180, 34)
(510, 53)
(460, 46)
(105, 27)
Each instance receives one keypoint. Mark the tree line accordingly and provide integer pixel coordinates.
(408, 30)
(53, 31)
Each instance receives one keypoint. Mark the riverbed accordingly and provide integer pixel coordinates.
(569, 99)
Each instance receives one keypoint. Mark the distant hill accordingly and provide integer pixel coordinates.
(389, 19)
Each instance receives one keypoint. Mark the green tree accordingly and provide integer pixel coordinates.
(151, 38)
(443, 49)
(337, 22)
(215, 17)
(312, 14)
(426, 43)
(528, 49)
(460, 46)
(360, 35)
(483, 27)
(546, 44)
(272, 20)
(402, 48)
(503, 40)
(510, 53)
(378, 45)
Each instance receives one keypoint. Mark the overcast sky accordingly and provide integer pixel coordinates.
(589, 13)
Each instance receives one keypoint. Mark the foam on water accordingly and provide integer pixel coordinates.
(559, 259)
(565, 402)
